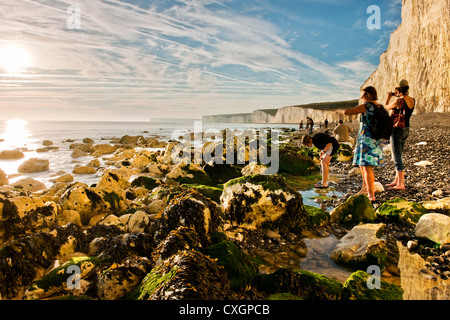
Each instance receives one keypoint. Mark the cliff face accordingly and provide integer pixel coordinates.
(228, 118)
(419, 51)
(318, 112)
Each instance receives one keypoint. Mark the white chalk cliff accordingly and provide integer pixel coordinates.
(419, 51)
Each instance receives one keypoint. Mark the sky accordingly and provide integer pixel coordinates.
(137, 60)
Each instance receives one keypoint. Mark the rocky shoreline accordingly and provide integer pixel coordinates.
(152, 229)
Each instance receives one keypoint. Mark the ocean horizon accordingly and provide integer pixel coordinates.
(29, 136)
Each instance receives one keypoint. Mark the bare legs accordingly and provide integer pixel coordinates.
(325, 162)
(399, 182)
(368, 182)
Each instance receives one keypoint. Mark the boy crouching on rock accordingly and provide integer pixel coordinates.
(329, 146)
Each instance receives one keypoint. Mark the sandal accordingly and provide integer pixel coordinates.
(319, 185)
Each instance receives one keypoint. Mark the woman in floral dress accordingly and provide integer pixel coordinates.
(368, 151)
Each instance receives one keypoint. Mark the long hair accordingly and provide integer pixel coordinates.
(371, 93)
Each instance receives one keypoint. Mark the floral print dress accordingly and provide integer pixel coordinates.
(368, 151)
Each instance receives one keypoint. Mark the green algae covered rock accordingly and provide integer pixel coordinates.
(358, 287)
(401, 211)
(188, 275)
(359, 207)
(299, 283)
(239, 267)
(294, 161)
(263, 202)
(211, 192)
(146, 182)
(58, 279)
(316, 217)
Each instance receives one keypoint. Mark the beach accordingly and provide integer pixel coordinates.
(426, 158)
(117, 207)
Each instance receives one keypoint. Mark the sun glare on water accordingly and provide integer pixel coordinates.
(16, 134)
(14, 59)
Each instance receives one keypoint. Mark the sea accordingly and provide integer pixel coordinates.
(28, 136)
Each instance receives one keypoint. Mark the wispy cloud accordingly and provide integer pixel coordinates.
(165, 57)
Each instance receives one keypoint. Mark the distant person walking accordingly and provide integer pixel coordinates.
(326, 123)
(311, 126)
(342, 132)
(368, 151)
(403, 107)
(300, 126)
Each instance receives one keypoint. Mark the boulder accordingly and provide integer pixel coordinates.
(188, 275)
(47, 143)
(157, 169)
(27, 214)
(34, 165)
(90, 202)
(114, 180)
(294, 161)
(29, 185)
(141, 159)
(222, 173)
(57, 280)
(138, 222)
(400, 211)
(94, 163)
(3, 178)
(356, 288)
(359, 207)
(189, 173)
(316, 217)
(438, 206)
(210, 192)
(99, 150)
(303, 284)
(254, 169)
(191, 209)
(84, 170)
(434, 227)
(239, 267)
(65, 178)
(131, 140)
(11, 154)
(182, 238)
(153, 142)
(25, 258)
(77, 153)
(263, 202)
(361, 247)
(69, 216)
(166, 156)
(117, 281)
(148, 183)
(118, 248)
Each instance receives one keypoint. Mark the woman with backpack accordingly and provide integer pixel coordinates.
(368, 151)
(402, 110)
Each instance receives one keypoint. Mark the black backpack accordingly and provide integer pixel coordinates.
(382, 124)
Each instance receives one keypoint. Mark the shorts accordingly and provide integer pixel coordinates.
(333, 149)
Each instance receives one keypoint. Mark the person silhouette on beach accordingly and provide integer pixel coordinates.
(368, 151)
(329, 146)
(403, 104)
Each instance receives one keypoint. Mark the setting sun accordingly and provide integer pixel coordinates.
(14, 59)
